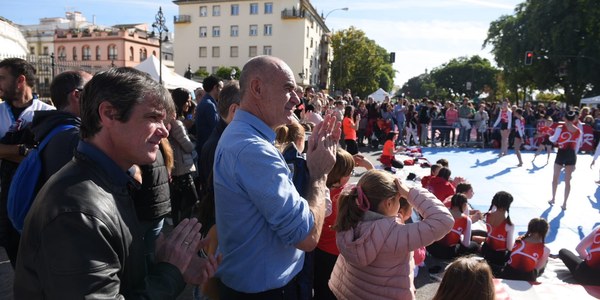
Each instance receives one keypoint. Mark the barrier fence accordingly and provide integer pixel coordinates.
(47, 66)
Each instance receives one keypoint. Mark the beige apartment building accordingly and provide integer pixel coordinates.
(211, 33)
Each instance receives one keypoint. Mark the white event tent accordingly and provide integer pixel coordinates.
(591, 100)
(171, 80)
(379, 95)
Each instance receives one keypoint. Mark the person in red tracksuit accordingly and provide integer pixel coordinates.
(440, 185)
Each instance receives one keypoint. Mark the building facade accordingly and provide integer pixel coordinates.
(210, 34)
(59, 44)
(124, 46)
(12, 41)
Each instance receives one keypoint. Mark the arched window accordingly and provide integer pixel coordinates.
(112, 52)
(62, 53)
(74, 53)
(98, 53)
(86, 53)
(143, 54)
(130, 53)
(154, 53)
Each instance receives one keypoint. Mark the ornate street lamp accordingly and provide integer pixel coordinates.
(160, 27)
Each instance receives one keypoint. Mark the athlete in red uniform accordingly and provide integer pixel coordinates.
(544, 131)
(458, 241)
(500, 230)
(585, 267)
(568, 137)
(529, 254)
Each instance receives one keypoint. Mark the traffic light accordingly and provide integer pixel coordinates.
(528, 58)
(392, 57)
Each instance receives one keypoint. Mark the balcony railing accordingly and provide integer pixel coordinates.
(182, 19)
(292, 14)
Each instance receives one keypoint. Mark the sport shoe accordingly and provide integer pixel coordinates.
(391, 170)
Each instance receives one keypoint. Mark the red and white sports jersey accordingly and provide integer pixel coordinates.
(524, 256)
(593, 259)
(496, 238)
(453, 237)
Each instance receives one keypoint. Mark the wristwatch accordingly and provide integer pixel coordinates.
(23, 150)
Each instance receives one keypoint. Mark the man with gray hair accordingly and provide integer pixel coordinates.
(264, 226)
(82, 238)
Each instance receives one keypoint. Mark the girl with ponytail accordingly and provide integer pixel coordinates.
(500, 230)
(530, 254)
(375, 245)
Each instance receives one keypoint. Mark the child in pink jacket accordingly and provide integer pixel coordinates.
(376, 259)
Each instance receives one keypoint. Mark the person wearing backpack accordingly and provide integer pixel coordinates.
(64, 92)
(56, 133)
(17, 79)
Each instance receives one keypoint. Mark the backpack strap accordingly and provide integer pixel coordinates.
(52, 133)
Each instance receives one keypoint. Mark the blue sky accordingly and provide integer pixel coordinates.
(423, 33)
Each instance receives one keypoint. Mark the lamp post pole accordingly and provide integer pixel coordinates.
(160, 27)
(340, 64)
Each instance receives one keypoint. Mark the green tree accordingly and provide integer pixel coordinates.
(565, 38)
(202, 73)
(359, 63)
(225, 73)
(421, 86)
(468, 76)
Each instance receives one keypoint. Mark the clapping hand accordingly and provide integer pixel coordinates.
(322, 146)
(180, 248)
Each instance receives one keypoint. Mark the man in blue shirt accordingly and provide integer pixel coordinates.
(206, 111)
(263, 224)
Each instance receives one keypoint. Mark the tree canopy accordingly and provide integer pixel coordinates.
(463, 76)
(564, 37)
(359, 63)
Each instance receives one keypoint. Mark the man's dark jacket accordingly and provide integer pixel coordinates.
(82, 240)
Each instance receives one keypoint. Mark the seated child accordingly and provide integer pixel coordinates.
(585, 267)
(467, 278)
(440, 185)
(529, 254)
(433, 172)
(500, 229)
(458, 241)
(388, 158)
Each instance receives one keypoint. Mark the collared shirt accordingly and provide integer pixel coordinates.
(260, 215)
(118, 176)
